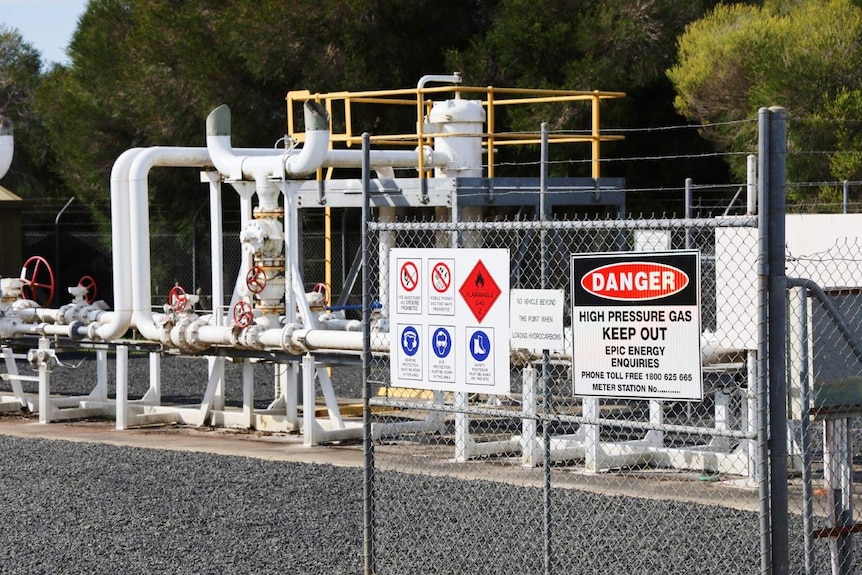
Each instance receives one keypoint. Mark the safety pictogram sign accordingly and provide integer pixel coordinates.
(409, 276)
(449, 319)
(441, 298)
(408, 289)
(479, 291)
(441, 277)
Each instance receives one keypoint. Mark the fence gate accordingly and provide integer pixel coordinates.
(824, 402)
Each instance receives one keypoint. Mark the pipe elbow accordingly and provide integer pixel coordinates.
(119, 325)
(219, 143)
(313, 153)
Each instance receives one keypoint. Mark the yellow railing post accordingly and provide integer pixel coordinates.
(596, 136)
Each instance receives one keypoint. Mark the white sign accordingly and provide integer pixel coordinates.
(536, 319)
(408, 288)
(636, 325)
(450, 319)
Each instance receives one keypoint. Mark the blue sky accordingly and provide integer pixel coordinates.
(46, 24)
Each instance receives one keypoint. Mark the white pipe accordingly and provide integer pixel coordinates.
(7, 145)
(751, 196)
(261, 165)
(385, 158)
(121, 244)
(444, 78)
(139, 229)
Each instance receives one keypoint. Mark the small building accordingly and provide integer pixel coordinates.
(11, 207)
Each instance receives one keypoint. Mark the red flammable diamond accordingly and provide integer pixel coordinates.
(479, 291)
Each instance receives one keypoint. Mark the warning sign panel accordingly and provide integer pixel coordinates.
(441, 299)
(408, 293)
(636, 325)
(450, 319)
(479, 291)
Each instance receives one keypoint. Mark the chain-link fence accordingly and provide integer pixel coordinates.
(825, 395)
(633, 486)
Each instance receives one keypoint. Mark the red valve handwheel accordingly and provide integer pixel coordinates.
(89, 283)
(322, 288)
(255, 279)
(243, 316)
(34, 283)
(178, 299)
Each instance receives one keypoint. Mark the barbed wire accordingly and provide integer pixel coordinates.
(621, 130)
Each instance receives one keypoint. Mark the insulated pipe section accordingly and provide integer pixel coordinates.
(257, 164)
(7, 145)
(264, 163)
(139, 230)
(120, 321)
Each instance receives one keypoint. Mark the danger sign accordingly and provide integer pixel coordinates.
(636, 325)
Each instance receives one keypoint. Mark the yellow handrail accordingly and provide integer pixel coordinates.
(491, 98)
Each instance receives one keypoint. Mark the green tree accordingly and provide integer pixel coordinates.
(804, 56)
(20, 75)
(147, 72)
(614, 45)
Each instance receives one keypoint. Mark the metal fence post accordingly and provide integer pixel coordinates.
(772, 191)
(367, 441)
(546, 387)
(762, 340)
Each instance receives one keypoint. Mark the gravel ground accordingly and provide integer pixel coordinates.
(79, 508)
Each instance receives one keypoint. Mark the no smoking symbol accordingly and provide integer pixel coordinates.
(409, 276)
(441, 277)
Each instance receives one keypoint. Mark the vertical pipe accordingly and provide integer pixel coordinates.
(344, 214)
(327, 251)
(217, 252)
(762, 341)
(155, 390)
(44, 382)
(122, 402)
(777, 329)
(367, 442)
(751, 185)
(101, 391)
(688, 210)
(529, 443)
(247, 394)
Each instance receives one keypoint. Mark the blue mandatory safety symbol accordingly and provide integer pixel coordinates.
(410, 340)
(480, 346)
(441, 342)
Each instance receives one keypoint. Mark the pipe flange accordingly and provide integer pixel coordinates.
(249, 337)
(64, 315)
(192, 338)
(275, 213)
(287, 342)
(93, 332)
(274, 310)
(74, 330)
(181, 332)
